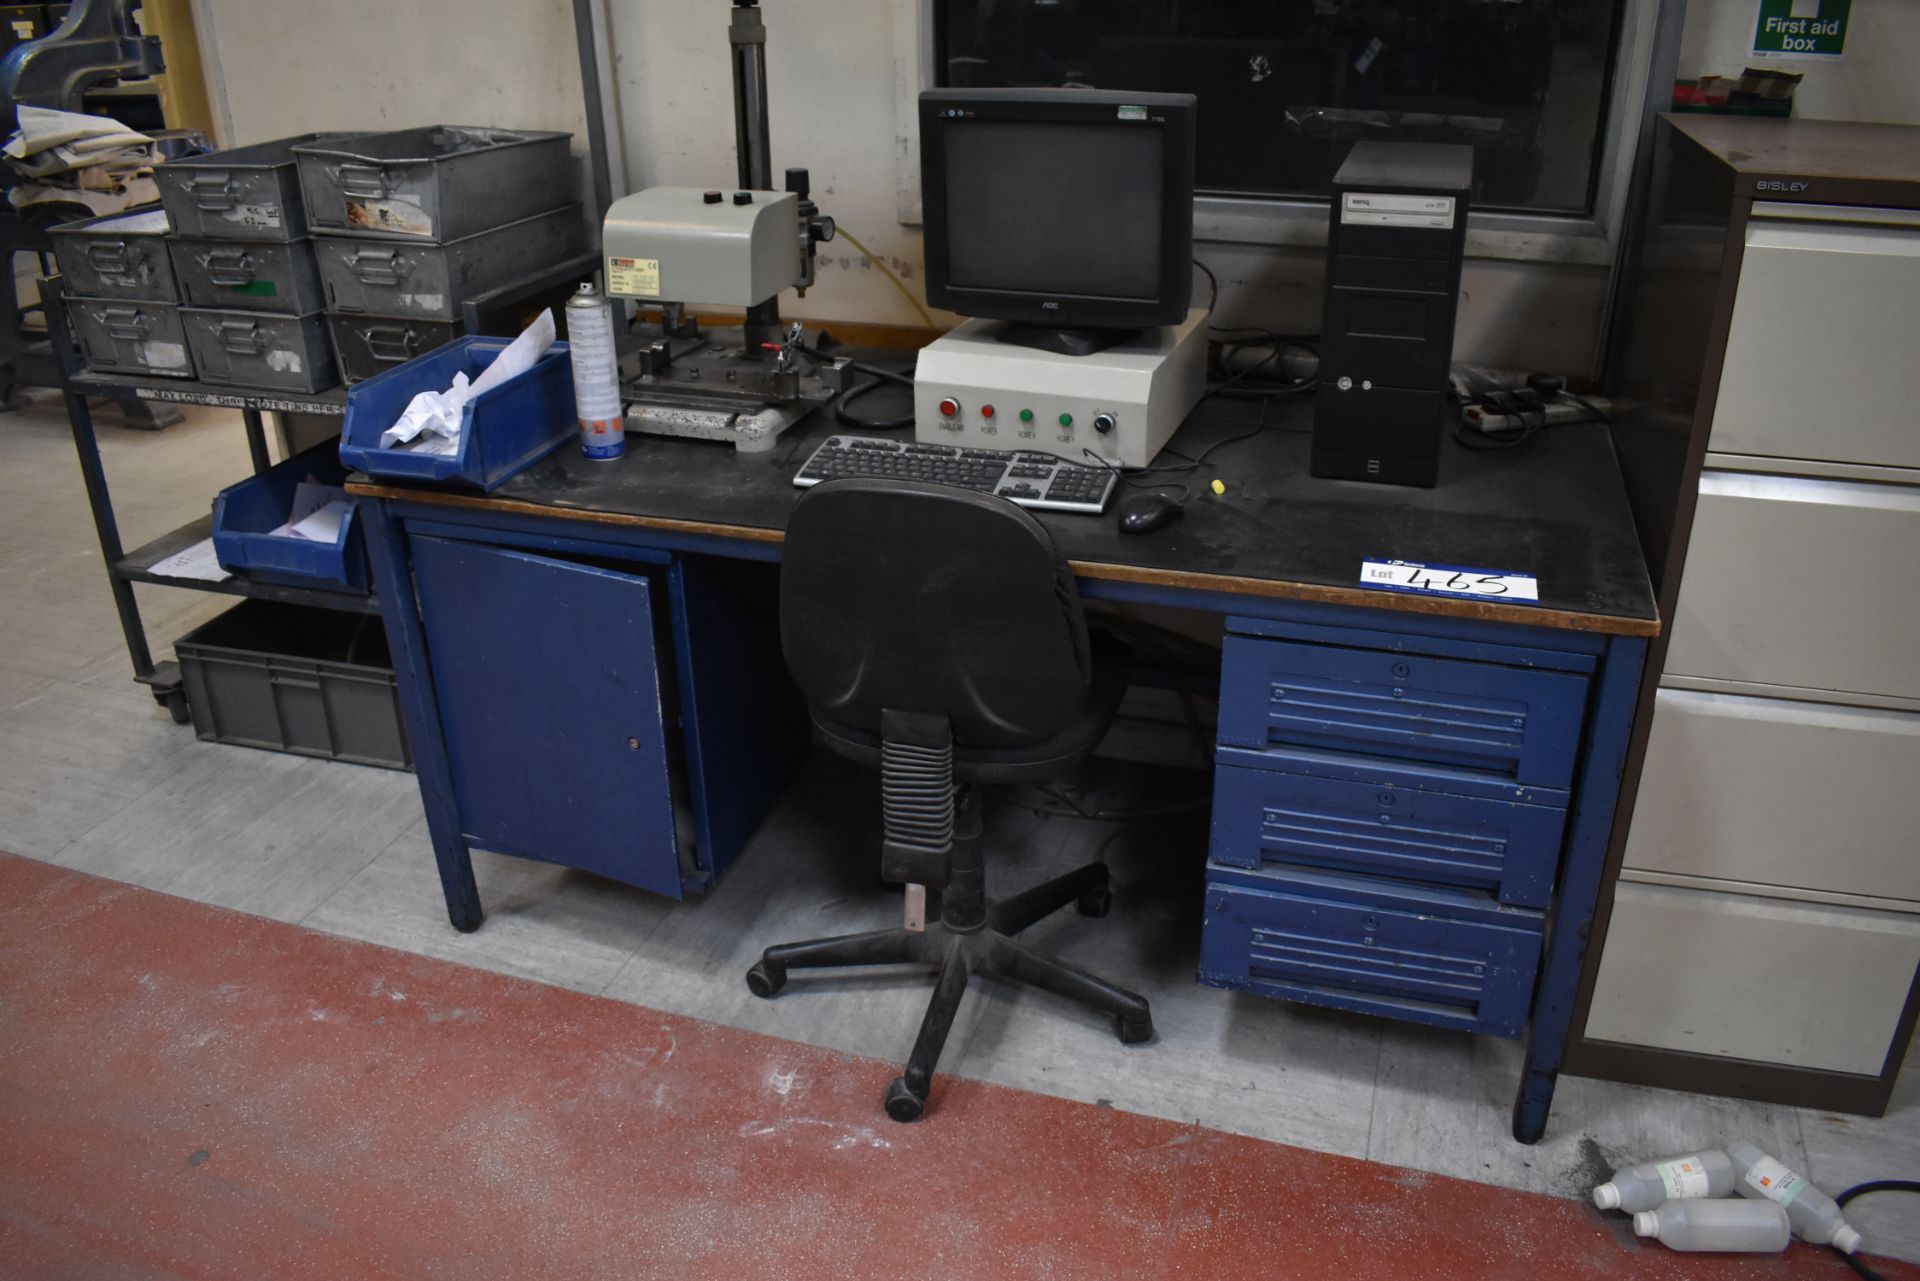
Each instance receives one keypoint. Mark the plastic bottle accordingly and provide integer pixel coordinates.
(1748, 1227)
(1814, 1215)
(1678, 1178)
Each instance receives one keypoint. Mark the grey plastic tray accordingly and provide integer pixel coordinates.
(121, 336)
(261, 350)
(430, 281)
(367, 345)
(290, 678)
(119, 255)
(438, 183)
(242, 193)
(248, 275)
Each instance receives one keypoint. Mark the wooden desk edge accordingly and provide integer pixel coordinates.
(1482, 610)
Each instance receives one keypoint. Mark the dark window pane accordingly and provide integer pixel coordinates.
(1286, 86)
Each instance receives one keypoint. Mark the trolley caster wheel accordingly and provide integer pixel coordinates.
(1097, 901)
(1133, 1031)
(902, 1103)
(766, 978)
(176, 705)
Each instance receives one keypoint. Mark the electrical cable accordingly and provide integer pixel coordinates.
(1866, 1189)
(842, 414)
(886, 271)
(1213, 299)
(877, 377)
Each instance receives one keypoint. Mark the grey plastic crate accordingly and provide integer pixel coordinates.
(248, 275)
(367, 345)
(438, 183)
(242, 193)
(119, 336)
(289, 678)
(260, 350)
(120, 255)
(392, 278)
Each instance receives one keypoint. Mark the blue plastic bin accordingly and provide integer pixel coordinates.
(504, 430)
(244, 514)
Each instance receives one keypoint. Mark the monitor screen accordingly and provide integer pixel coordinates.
(1063, 209)
(1054, 207)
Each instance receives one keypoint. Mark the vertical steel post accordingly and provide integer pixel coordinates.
(752, 145)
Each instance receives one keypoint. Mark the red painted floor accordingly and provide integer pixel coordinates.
(190, 1093)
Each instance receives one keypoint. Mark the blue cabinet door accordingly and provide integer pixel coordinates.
(551, 708)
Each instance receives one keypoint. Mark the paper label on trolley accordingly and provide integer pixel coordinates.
(1378, 209)
(634, 277)
(253, 215)
(401, 214)
(1448, 580)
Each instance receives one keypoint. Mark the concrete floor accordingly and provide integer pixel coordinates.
(274, 1102)
(94, 776)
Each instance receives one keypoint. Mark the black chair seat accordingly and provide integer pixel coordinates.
(1029, 763)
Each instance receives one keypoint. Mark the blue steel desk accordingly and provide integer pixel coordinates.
(1412, 793)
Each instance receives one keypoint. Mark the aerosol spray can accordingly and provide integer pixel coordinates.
(596, 374)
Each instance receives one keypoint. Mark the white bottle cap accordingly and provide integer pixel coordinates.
(1646, 1224)
(1607, 1197)
(1845, 1239)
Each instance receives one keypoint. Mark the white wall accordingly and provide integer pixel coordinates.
(1876, 81)
(286, 66)
(280, 67)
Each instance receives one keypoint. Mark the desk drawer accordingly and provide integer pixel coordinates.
(1514, 722)
(1425, 955)
(1390, 823)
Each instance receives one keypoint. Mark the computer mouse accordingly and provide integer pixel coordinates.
(1144, 513)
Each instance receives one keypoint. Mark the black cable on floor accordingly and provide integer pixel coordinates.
(1866, 1189)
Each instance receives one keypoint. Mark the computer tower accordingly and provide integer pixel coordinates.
(1398, 226)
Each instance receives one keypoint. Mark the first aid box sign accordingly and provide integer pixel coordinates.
(1801, 29)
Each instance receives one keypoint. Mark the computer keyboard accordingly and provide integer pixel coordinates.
(1029, 479)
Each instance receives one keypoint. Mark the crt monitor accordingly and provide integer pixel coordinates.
(1066, 211)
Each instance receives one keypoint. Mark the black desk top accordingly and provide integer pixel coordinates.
(1554, 508)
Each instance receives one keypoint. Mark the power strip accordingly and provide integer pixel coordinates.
(1479, 416)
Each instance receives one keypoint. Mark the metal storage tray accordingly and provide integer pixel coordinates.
(430, 281)
(289, 678)
(243, 193)
(119, 336)
(118, 255)
(248, 275)
(262, 350)
(438, 182)
(367, 345)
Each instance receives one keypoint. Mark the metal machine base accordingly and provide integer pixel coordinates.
(709, 386)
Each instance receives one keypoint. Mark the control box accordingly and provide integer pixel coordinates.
(1122, 404)
(1394, 246)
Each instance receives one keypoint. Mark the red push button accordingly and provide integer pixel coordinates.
(949, 407)
(986, 411)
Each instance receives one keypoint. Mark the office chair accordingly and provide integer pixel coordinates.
(937, 635)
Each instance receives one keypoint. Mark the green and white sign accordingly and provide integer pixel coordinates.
(1801, 29)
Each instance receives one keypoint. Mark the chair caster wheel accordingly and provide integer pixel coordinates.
(1133, 1031)
(766, 978)
(1096, 902)
(902, 1103)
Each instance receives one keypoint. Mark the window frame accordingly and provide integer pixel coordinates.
(1578, 239)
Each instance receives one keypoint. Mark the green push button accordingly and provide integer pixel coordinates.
(1026, 415)
(1066, 420)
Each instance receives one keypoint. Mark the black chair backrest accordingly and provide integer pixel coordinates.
(901, 595)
